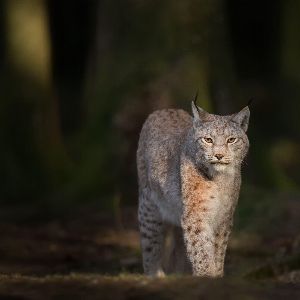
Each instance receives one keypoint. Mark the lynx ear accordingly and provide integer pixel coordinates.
(199, 113)
(242, 118)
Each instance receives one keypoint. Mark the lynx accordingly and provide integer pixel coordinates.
(189, 180)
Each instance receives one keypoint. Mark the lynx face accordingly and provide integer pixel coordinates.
(221, 141)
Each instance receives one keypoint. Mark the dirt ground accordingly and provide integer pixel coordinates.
(86, 254)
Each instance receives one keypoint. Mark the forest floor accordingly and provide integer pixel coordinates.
(88, 254)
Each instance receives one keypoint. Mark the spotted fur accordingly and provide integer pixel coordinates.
(190, 184)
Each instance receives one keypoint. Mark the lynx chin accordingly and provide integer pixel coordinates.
(189, 175)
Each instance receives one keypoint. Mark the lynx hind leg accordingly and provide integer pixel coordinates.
(177, 260)
(152, 231)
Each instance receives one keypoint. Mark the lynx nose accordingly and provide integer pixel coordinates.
(219, 156)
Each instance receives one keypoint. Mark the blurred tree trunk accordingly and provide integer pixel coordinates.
(28, 58)
(224, 86)
(255, 30)
(290, 40)
(290, 63)
(72, 28)
(28, 48)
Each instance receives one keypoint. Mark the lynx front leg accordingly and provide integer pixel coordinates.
(221, 242)
(200, 248)
(196, 220)
(152, 232)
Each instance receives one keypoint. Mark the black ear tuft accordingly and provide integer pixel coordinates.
(198, 113)
(195, 101)
(250, 101)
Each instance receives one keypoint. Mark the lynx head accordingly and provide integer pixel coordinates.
(221, 141)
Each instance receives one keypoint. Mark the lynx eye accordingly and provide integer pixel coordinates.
(208, 140)
(231, 140)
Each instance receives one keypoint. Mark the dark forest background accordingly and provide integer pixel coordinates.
(77, 80)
